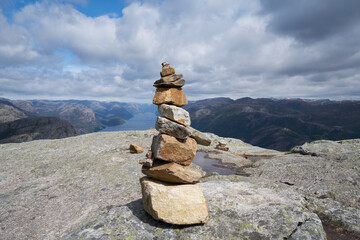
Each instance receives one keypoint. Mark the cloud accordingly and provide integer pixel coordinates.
(314, 20)
(16, 44)
(229, 48)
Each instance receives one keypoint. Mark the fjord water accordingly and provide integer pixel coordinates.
(141, 121)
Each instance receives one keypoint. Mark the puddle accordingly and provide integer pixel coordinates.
(210, 165)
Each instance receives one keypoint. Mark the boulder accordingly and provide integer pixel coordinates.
(135, 148)
(163, 83)
(200, 137)
(174, 113)
(174, 95)
(172, 128)
(173, 173)
(174, 204)
(168, 148)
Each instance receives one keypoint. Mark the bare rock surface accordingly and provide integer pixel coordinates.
(328, 176)
(174, 204)
(327, 147)
(49, 187)
(173, 173)
(238, 210)
(86, 187)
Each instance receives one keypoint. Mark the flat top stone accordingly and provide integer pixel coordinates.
(172, 128)
(175, 113)
(173, 173)
(175, 204)
(175, 83)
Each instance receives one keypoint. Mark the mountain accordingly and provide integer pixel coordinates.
(277, 123)
(27, 129)
(85, 115)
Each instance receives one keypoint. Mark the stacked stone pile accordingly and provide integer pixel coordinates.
(169, 190)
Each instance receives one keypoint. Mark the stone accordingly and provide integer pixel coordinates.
(166, 70)
(135, 148)
(149, 154)
(200, 137)
(171, 78)
(168, 148)
(147, 162)
(164, 125)
(222, 146)
(173, 173)
(175, 204)
(176, 83)
(174, 95)
(174, 113)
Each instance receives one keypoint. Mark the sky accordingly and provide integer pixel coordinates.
(113, 50)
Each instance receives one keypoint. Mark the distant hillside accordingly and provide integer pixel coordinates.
(27, 129)
(10, 113)
(277, 124)
(85, 115)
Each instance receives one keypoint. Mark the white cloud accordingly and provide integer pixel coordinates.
(223, 49)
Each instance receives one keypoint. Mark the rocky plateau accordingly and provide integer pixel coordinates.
(87, 187)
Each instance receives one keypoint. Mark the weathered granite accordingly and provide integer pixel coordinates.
(173, 173)
(135, 148)
(92, 180)
(238, 210)
(168, 148)
(200, 137)
(163, 83)
(173, 95)
(167, 70)
(175, 204)
(172, 128)
(174, 113)
(329, 173)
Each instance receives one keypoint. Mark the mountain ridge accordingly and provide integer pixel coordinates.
(277, 123)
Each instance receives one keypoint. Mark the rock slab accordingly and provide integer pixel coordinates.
(174, 204)
(173, 95)
(200, 137)
(164, 125)
(163, 83)
(237, 210)
(176, 114)
(168, 148)
(173, 173)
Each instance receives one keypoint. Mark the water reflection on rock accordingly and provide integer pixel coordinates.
(213, 165)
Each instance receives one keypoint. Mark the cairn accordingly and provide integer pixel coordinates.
(169, 190)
